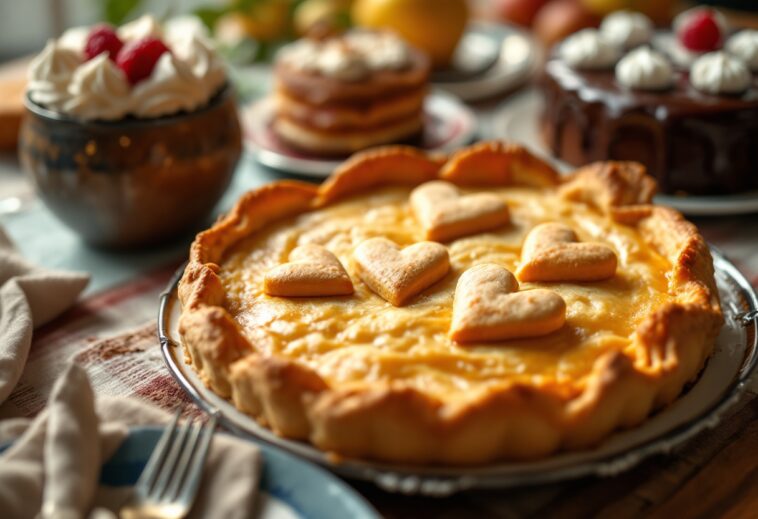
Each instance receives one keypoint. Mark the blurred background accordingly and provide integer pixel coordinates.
(250, 28)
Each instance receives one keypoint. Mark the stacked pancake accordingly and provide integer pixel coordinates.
(349, 92)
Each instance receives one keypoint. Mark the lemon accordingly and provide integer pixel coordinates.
(433, 26)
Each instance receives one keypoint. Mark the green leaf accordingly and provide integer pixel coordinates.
(245, 6)
(210, 15)
(116, 12)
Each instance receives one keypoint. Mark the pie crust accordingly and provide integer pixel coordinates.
(508, 415)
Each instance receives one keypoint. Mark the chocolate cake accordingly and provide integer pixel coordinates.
(691, 140)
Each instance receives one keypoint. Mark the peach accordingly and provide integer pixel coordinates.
(520, 12)
(560, 18)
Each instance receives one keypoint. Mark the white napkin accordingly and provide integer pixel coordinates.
(58, 456)
(29, 297)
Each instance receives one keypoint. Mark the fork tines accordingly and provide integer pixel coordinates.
(173, 472)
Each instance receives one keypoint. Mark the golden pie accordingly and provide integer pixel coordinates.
(544, 315)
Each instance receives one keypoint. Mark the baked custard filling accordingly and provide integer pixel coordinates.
(362, 339)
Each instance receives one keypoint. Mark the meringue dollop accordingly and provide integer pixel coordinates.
(744, 45)
(627, 29)
(645, 69)
(720, 73)
(588, 49)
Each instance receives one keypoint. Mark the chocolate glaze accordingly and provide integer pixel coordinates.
(691, 142)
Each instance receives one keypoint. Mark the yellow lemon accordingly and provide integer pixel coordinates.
(433, 26)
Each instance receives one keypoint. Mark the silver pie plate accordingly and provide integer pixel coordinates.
(719, 386)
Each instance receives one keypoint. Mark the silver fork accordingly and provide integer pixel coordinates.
(168, 484)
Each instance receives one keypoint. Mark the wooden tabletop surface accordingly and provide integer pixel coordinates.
(713, 475)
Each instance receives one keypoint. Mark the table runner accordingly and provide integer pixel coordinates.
(113, 335)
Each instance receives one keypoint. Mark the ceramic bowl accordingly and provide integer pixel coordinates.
(132, 182)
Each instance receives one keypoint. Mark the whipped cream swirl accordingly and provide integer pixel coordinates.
(98, 90)
(645, 69)
(143, 27)
(185, 78)
(720, 73)
(589, 50)
(351, 57)
(49, 75)
(744, 45)
(172, 87)
(627, 29)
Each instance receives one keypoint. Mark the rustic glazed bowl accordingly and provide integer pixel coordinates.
(132, 182)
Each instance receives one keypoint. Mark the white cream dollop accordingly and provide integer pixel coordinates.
(645, 69)
(98, 90)
(74, 38)
(199, 55)
(50, 73)
(589, 50)
(341, 62)
(350, 57)
(382, 50)
(143, 27)
(720, 73)
(744, 45)
(172, 87)
(627, 29)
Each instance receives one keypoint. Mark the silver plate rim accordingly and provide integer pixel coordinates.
(442, 481)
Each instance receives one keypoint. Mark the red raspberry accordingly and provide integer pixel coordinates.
(700, 32)
(102, 38)
(138, 58)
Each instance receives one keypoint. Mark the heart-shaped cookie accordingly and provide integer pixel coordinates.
(552, 252)
(445, 213)
(312, 271)
(489, 307)
(398, 275)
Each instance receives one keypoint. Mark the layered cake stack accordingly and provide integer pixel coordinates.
(349, 92)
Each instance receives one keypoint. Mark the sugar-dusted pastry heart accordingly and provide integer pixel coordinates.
(552, 252)
(445, 213)
(312, 271)
(489, 307)
(398, 275)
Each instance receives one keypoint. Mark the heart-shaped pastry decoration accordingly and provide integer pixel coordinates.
(398, 275)
(312, 271)
(489, 307)
(551, 252)
(445, 213)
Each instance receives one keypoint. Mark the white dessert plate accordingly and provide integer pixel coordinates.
(491, 58)
(289, 488)
(449, 124)
(517, 121)
(720, 384)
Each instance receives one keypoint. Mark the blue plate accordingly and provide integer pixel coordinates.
(290, 487)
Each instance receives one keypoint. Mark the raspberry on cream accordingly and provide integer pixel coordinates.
(700, 29)
(171, 68)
